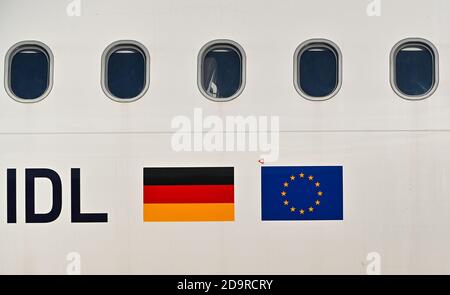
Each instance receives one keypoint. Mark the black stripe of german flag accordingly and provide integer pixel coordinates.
(189, 194)
(188, 175)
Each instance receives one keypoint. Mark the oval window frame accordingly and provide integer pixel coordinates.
(305, 46)
(392, 67)
(24, 45)
(201, 55)
(117, 45)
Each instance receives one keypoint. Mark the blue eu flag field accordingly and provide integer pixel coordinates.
(302, 193)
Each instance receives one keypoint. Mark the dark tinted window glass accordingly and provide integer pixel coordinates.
(222, 71)
(318, 71)
(126, 70)
(29, 73)
(414, 69)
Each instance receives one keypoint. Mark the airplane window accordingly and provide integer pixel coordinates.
(29, 71)
(125, 73)
(317, 70)
(221, 70)
(415, 69)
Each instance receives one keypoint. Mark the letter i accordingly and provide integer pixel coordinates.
(11, 196)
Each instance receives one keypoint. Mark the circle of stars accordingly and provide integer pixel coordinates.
(302, 177)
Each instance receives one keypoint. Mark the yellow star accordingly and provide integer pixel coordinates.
(317, 202)
(311, 177)
(302, 175)
(292, 209)
(292, 177)
(283, 193)
(302, 211)
(286, 202)
(311, 209)
(286, 184)
(317, 184)
(320, 193)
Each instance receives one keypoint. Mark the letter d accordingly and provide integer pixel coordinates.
(30, 214)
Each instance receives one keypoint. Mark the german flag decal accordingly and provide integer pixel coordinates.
(189, 194)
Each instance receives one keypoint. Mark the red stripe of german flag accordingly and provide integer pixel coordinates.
(189, 194)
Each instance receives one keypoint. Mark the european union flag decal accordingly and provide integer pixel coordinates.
(302, 193)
